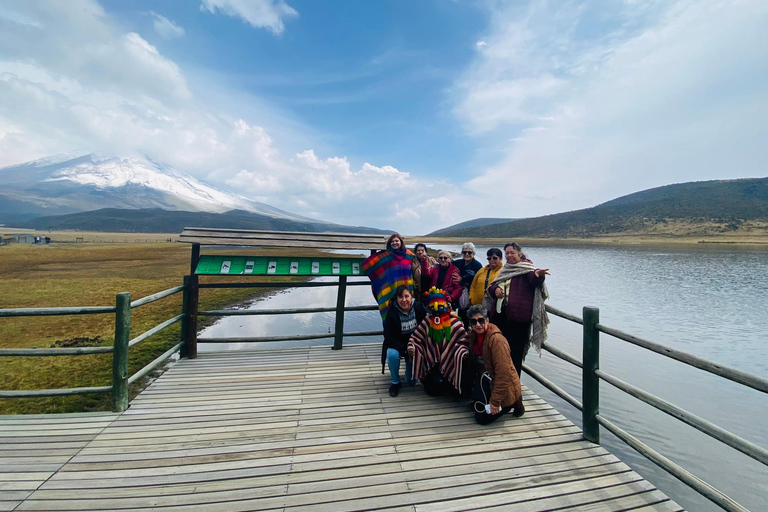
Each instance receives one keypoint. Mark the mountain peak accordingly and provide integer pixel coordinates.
(66, 184)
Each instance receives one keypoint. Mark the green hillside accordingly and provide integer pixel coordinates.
(474, 223)
(156, 220)
(696, 208)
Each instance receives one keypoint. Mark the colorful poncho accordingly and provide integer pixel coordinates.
(441, 314)
(387, 270)
(448, 355)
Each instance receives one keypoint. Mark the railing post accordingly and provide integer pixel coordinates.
(185, 312)
(192, 305)
(590, 385)
(120, 352)
(341, 300)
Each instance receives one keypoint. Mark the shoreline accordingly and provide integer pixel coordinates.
(618, 240)
(66, 236)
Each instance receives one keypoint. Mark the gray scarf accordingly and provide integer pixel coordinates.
(540, 319)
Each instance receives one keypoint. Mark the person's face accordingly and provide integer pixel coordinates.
(494, 261)
(512, 255)
(478, 323)
(421, 253)
(404, 301)
(444, 260)
(467, 254)
(395, 243)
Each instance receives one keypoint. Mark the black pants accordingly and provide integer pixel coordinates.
(483, 418)
(435, 384)
(518, 336)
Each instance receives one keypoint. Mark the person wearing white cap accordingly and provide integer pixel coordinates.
(468, 266)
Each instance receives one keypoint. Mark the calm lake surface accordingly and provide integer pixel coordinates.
(709, 300)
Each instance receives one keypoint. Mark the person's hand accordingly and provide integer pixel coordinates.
(495, 410)
(541, 272)
(456, 278)
(411, 351)
(499, 293)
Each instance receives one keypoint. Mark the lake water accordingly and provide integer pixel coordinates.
(709, 300)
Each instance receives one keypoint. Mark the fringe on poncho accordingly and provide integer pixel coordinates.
(449, 355)
(387, 270)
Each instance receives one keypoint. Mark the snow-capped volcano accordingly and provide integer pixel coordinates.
(61, 184)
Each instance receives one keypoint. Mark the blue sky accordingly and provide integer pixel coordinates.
(398, 114)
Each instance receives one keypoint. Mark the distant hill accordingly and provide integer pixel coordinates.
(486, 221)
(157, 220)
(695, 208)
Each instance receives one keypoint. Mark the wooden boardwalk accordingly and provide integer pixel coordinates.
(306, 430)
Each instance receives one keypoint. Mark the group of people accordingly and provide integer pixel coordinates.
(462, 327)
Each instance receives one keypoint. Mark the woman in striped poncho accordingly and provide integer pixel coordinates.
(439, 348)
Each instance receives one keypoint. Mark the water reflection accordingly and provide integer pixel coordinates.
(305, 323)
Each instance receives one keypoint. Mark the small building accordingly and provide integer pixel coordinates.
(24, 238)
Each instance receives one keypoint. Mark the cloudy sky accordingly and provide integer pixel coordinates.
(396, 114)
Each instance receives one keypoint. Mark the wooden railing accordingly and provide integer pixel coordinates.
(589, 364)
(119, 349)
(338, 335)
(590, 404)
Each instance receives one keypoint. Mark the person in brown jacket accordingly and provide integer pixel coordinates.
(490, 349)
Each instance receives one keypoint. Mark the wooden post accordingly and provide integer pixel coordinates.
(120, 352)
(590, 385)
(192, 304)
(185, 312)
(341, 299)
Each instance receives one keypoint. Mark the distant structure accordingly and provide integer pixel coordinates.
(23, 238)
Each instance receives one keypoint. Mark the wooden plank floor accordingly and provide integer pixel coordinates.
(306, 430)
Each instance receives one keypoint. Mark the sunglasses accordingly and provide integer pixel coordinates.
(493, 258)
(475, 321)
(443, 258)
(467, 252)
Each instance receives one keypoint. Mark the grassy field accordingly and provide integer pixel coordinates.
(91, 275)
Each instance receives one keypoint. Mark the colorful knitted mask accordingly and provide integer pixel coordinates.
(440, 315)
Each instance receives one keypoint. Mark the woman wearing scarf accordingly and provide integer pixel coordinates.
(515, 301)
(387, 270)
(485, 276)
(403, 316)
(420, 281)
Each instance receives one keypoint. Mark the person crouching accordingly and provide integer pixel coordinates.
(403, 316)
(490, 348)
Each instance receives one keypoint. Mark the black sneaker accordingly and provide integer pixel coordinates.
(518, 409)
(394, 390)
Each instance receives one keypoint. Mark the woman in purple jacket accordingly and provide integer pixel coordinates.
(515, 301)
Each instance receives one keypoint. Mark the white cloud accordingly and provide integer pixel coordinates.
(71, 81)
(600, 100)
(165, 27)
(267, 14)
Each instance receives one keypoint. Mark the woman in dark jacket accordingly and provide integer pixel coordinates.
(403, 316)
(515, 302)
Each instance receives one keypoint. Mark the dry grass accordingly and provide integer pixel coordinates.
(90, 275)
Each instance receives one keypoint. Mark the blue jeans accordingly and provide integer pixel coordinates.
(393, 361)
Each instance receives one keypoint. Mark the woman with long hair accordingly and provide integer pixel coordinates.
(403, 316)
(387, 270)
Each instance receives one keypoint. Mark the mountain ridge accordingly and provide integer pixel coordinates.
(157, 220)
(692, 208)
